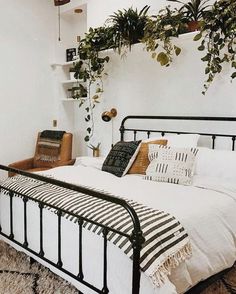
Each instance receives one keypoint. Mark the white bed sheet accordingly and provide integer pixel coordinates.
(207, 214)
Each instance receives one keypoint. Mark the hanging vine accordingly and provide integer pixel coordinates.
(217, 24)
(90, 70)
(218, 39)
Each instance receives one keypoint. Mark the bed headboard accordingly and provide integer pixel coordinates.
(148, 131)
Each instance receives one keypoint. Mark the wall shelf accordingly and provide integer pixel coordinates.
(72, 81)
(64, 63)
(68, 10)
(72, 99)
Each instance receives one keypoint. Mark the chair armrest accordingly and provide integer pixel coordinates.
(62, 163)
(23, 165)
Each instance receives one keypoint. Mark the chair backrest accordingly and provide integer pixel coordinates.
(61, 154)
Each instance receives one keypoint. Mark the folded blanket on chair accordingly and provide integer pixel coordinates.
(166, 241)
(50, 134)
(49, 146)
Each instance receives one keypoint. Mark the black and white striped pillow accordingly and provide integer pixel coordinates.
(172, 165)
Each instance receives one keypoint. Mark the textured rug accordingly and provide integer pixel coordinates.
(18, 276)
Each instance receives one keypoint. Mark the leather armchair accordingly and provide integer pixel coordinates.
(34, 164)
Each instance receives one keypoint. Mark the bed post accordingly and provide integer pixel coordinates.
(137, 240)
(122, 128)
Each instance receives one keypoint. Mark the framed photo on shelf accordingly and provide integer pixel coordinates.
(70, 53)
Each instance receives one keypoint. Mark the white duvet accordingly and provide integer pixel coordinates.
(207, 212)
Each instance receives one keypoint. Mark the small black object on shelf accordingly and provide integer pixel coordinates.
(70, 53)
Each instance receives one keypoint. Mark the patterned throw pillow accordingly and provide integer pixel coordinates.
(141, 162)
(121, 157)
(172, 165)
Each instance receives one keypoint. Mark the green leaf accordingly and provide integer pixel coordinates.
(206, 58)
(216, 38)
(95, 97)
(98, 90)
(107, 58)
(177, 50)
(233, 76)
(163, 58)
(87, 118)
(207, 70)
(154, 55)
(197, 37)
(201, 48)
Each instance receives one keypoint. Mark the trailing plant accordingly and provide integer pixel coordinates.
(218, 39)
(159, 30)
(128, 26)
(194, 10)
(97, 39)
(90, 69)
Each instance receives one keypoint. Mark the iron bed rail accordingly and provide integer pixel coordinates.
(213, 136)
(136, 238)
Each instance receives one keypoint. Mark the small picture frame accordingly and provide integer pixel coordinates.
(70, 54)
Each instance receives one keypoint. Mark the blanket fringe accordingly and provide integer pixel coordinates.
(158, 276)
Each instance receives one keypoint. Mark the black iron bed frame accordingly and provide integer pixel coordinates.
(136, 238)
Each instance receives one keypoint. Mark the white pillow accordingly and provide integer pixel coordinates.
(172, 165)
(95, 162)
(182, 140)
(216, 163)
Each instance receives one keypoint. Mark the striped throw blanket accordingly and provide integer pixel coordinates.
(166, 241)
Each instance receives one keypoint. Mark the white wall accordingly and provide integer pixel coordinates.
(31, 92)
(139, 85)
(72, 25)
(27, 38)
(100, 10)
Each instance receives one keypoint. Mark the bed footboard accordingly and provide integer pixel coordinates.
(136, 238)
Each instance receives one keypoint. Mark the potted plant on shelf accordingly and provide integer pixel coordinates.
(128, 26)
(78, 92)
(97, 39)
(72, 73)
(194, 12)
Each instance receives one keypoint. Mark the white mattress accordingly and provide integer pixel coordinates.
(207, 213)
